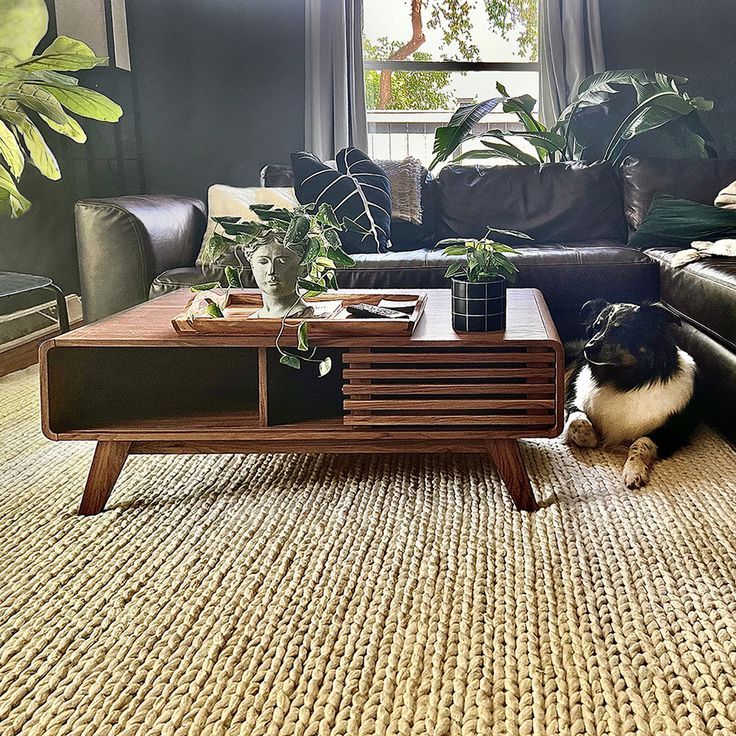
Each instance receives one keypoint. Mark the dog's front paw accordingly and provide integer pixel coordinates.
(636, 473)
(579, 431)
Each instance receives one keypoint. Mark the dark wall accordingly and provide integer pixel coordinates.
(216, 92)
(220, 89)
(692, 38)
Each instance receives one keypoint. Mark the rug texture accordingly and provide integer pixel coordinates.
(363, 595)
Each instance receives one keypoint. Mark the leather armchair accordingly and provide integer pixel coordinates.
(124, 242)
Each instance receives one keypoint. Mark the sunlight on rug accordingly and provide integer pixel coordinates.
(363, 595)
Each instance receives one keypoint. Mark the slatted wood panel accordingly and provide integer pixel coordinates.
(494, 387)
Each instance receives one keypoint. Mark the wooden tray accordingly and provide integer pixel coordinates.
(242, 303)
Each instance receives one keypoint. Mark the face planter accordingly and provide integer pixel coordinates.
(276, 269)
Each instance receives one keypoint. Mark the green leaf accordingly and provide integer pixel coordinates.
(213, 310)
(23, 26)
(37, 99)
(455, 250)
(454, 269)
(40, 154)
(205, 287)
(311, 286)
(216, 246)
(653, 113)
(302, 337)
(291, 360)
(501, 150)
(270, 212)
(512, 233)
(70, 128)
(232, 275)
(297, 231)
(223, 219)
(13, 201)
(11, 151)
(447, 138)
(333, 239)
(339, 256)
(326, 215)
(325, 366)
(87, 103)
(64, 54)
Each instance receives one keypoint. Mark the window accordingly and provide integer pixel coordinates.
(425, 57)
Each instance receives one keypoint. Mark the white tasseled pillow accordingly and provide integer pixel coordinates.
(225, 201)
(727, 197)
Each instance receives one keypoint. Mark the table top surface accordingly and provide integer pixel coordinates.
(149, 325)
(12, 283)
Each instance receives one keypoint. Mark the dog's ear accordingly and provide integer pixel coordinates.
(660, 313)
(590, 310)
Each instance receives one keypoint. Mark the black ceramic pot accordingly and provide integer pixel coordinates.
(480, 306)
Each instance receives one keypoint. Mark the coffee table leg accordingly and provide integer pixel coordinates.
(106, 466)
(506, 456)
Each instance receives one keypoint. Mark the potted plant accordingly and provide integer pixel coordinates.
(292, 254)
(37, 88)
(480, 280)
(657, 101)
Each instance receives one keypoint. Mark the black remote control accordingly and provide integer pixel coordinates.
(368, 311)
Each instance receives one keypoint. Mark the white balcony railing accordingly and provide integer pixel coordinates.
(396, 134)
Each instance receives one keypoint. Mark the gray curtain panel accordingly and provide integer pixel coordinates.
(570, 49)
(335, 99)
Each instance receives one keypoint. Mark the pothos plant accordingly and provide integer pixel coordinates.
(312, 231)
(485, 259)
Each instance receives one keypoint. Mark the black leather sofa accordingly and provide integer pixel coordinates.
(580, 215)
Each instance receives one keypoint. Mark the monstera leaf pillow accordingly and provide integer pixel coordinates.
(358, 191)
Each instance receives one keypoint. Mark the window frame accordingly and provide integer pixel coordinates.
(451, 66)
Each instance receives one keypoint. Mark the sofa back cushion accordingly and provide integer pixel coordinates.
(552, 203)
(698, 180)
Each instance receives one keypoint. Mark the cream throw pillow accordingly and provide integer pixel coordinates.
(727, 197)
(224, 201)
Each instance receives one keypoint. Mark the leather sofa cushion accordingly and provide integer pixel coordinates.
(564, 202)
(698, 180)
(703, 293)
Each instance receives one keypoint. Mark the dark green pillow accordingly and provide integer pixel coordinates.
(672, 221)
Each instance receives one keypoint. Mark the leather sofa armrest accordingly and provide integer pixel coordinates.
(123, 243)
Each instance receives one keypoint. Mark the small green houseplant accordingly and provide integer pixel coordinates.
(292, 254)
(479, 281)
(37, 88)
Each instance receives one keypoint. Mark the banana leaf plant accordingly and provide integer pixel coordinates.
(37, 88)
(658, 101)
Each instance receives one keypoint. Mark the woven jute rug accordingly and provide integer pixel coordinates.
(362, 594)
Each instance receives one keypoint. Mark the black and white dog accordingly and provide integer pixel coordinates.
(631, 385)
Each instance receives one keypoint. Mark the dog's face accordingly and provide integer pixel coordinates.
(624, 335)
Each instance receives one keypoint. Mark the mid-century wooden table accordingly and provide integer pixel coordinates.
(134, 385)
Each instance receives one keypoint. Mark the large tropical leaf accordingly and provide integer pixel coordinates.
(36, 99)
(548, 144)
(86, 102)
(64, 54)
(460, 127)
(653, 113)
(12, 202)
(38, 151)
(70, 128)
(500, 150)
(523, 107)
(24, 24)
(11, 151)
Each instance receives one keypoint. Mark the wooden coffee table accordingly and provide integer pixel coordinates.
(135, 386)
